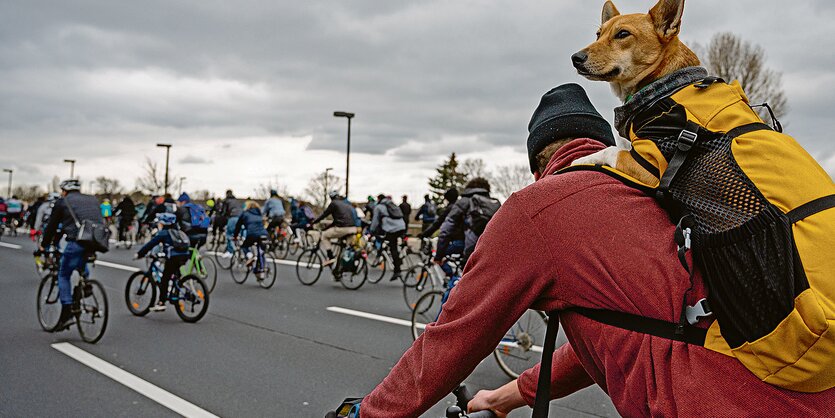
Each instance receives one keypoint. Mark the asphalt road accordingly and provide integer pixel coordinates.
(271, 353)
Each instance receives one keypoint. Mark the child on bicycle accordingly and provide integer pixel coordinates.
(251, 220)
(176, 248)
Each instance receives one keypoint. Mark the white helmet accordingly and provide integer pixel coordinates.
(70, 185)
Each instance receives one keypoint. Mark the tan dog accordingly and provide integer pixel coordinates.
(631, 52)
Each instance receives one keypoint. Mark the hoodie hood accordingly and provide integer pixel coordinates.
(571, 151)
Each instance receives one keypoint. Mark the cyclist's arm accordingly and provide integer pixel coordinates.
(503, 278)
(439, 220)
(328, 211)
(239, 225)
(155, 240)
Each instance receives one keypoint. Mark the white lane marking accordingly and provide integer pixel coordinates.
(12, 246)
(390, 320)
(156, 394)
(116, 266)
(274, 260)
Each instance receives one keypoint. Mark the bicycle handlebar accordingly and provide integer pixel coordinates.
(462, 398)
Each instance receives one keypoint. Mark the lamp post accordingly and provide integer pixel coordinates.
(348, 154)
(167, 152)
(182, 179)
(326, 185)
(10, 171)
(72, 167)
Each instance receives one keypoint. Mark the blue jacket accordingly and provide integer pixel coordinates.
(274, 208)
(253, 222)
(162, 237)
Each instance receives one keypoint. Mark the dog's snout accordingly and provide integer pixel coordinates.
(579, 58)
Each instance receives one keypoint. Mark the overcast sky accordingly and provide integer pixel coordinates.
(245, 90)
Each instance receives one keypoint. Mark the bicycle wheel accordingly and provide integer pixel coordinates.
(140, 293)
(417, 281)
(269, 274)
(207, 271)
(282, 248)
(355, 278)
(309, 267)
(239, 268)
(49, 307)
(521, 347)
(193, 299)
(223, 262)
(376, 266)
(92, 317)
(427, 310)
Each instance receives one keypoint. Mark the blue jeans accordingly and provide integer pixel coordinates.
(74, 258)
(230, 232)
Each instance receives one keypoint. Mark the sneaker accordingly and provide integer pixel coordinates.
(226, 255)
(65, 320)
(395, 275)
(160, 307)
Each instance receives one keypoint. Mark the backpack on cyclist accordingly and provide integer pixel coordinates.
(199, 218)
(179, 240)
(757, 212)
(393, 210)
(482, 209)
(308, 212)
(431, 209)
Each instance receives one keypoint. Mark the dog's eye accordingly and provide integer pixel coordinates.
(622, 34)
(598, 34)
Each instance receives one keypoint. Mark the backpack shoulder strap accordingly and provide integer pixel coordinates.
(543, 387)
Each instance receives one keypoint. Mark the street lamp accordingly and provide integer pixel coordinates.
(348, 154)
(72, 167)
(167, 152)
(10, 171)
(182, 179)
(326, 184)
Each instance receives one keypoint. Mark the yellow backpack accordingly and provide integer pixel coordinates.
(756, 209)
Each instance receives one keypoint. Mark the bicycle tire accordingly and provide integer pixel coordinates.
(309, 267)
(355, 279)
(282, 249)
(426, 310)
(377, 266)
(417, 281)
(269, 275)
(137, 305)
(193, 292)
(239, 269)
(524, 353)
(48, 304)
(92, 306)
(207, 271)
(223, 262)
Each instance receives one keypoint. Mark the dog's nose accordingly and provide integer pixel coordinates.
(579, 58)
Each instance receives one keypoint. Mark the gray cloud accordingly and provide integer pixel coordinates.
(102, 79)
(191, 159)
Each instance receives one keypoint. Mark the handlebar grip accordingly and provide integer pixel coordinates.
(462, 396)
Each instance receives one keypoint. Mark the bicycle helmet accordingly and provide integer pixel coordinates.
(166, 219)
(70, 185)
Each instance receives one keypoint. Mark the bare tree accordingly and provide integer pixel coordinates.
(27, 193)
(202, 195)
(263, 190)
(318, 187)
(510, 178)
(732, 58)
(474, 167)
(152, 180)
(108, 187)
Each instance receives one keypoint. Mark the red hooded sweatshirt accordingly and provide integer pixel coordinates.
(583, 239)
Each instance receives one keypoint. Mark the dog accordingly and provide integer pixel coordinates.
(632, 51)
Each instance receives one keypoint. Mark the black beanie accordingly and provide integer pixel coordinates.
(565, 112)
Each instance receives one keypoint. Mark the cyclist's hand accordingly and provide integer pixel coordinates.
(438, 262)
(136, 256)
(501, 401)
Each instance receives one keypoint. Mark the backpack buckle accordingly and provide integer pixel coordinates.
(700, 310)
(686, 139)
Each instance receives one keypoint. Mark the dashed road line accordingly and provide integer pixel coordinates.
(116, 266)
(155, 393)
(12, 246)
(274, 260)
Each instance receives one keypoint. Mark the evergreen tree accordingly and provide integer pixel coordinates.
(449, 175)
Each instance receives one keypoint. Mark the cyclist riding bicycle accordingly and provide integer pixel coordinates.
(388, 224)
(253, 222)
(176, 248)
(126, 211)
(451, 196)
(343, 225)
(42, 217)
(232, 209)
(14, 210)
(72, 209)
(458, 235)
(580, 239)
(274, 211)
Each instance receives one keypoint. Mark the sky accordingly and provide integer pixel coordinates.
(245, 91)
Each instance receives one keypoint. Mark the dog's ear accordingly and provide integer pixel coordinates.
(609, 11)
(666, 16)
